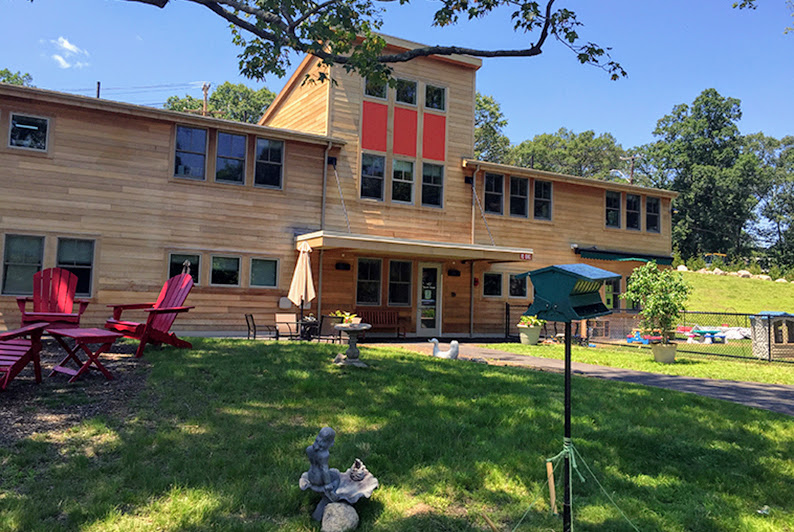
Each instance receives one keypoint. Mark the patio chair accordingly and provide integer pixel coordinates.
(16, 352)
(53, 299)
(327, 333)
(287, 326)
(252, 328)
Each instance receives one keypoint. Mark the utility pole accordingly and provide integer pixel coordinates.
(206, 89)
(98, 85)
(631, 169)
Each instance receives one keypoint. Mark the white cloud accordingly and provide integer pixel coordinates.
(69, 48)
(63, 63)
(67, 53)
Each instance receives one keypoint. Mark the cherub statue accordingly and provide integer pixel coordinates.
(319, 474)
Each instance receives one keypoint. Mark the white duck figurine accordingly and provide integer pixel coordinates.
(451, 354)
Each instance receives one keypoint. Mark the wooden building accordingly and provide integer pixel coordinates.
(379, 180)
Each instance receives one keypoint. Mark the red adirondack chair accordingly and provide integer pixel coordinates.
(53, 299)
(162, 314)
(16, 352)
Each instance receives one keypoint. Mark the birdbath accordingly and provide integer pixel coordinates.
(351, 355)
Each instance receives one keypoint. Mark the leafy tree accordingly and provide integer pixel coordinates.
(661, 294)
(777, 205)
(16, 78)
(230, 101)
(581, 154)
(490, 144)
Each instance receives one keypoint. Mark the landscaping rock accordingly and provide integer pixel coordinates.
(717, 271)
(682, 268)
(744, 274)
(339, 517)
(704, 270)
(781, 280)
(764, 277)
(733, 274)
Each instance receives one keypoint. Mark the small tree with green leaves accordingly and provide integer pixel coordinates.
(661, 294)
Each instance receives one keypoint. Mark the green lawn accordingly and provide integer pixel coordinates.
(722, 293)
(641, 359)
(216, 440)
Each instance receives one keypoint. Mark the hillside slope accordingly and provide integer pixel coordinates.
(722, 293)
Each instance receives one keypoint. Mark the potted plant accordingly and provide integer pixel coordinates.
(529, 329)
(346, 317)
(662, 296)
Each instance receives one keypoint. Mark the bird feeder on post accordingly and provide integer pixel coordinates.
(565, 293)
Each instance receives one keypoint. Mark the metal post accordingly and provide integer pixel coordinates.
(566, 504)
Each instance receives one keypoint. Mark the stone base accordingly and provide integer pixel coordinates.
(342, 360)
(339, 517)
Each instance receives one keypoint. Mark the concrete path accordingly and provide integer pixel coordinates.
(774, 397)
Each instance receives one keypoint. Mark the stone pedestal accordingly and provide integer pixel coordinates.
(352, 354)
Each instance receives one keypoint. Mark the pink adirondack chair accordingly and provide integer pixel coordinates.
(162, 314)
(53, 299)
(16, 352)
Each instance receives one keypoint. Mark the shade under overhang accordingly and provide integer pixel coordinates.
(624, 256)
(415, 248)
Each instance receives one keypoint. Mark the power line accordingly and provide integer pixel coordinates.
(189, 84)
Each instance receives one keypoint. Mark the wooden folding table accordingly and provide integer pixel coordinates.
(83, 337)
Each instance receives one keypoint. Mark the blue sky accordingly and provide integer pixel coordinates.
(672, 50)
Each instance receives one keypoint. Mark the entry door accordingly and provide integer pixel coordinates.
(428, 320)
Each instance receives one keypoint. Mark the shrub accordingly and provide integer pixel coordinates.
(530, 321)
(662, 295)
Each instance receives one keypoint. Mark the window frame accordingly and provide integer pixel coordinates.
(251, 272)
(379, 281)
(213, 256)
(376, 96)
(494, 179)
(512, 277)
(501, 284)
(397, 92)
(657, 215)
(536, 201)
(68, 267)
(197, 277)
(410, 283)
(637, 212)
(441, 187)
(524, 180)
(48, 121)
(442, 109)
(244, 159)
(364, 177)
(608, 209)
(3, 290)
(394, 180)
(280, 163)
(205, 154)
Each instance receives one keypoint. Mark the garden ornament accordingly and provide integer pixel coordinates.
(452, 353)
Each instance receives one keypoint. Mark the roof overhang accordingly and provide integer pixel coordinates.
(413, 248)
(623, 256)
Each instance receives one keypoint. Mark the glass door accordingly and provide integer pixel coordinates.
(428, 321)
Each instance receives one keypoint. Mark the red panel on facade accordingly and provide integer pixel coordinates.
(404, 132)
(434, 138)
(373, 129)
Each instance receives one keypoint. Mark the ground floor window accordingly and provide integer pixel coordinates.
(77, 256)
(225, 271)
(492, 284)
(400, 283)
(264, 273)
(177, 262)
(612, 294)
(368, 282)
(22, 258)
(518, 286)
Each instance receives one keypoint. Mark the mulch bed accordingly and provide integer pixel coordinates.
(27, 408)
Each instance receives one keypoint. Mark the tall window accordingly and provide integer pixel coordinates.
(269, 163)
(612, 294)
(264, 273)
(613, 209)
(633, 211)
(518, 286)
(432, 185)
(435, 97)
(77, 256)
(542, 201)
(176, 263)
(402, 182)
(399, 283)
(368, 282)
(22, 258)
(225, 271)
(519, 196)
(492, 284)
(372, 176)
(494, 193)
(652, 212)
(406, 92)
(375, 88)
(29, 132)
(191, 152)
(230, 161)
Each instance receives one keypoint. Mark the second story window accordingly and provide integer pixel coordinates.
(402, 182)
(269, 163)
(613, 209)
(372, 176)
(633, 211)
(406, 92)
(432, 185)
(230, 162)
(519, 196)
(652, 212)
(494, 193)
(375, 88)
(435, 97)
(28, 132)
(542, 202)
(191, 152)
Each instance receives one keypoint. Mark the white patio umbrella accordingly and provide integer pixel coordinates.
(301, 290)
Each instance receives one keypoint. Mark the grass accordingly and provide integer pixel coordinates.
(722, 293)
(641, 359)
(216, 440)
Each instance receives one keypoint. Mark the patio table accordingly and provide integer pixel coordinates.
(83, 337)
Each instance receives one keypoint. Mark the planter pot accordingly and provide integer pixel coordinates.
(529, 335)
(664, 353)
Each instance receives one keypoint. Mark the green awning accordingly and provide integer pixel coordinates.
(623, 256)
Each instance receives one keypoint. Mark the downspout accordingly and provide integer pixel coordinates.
(322, 227)
(473, 184)
(471, 264)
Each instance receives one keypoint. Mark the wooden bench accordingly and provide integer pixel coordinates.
(382, 319)
(16, 352)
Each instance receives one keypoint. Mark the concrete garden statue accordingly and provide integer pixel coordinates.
(662, 296)
(529, 329)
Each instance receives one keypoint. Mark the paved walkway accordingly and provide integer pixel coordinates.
(774, 397)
